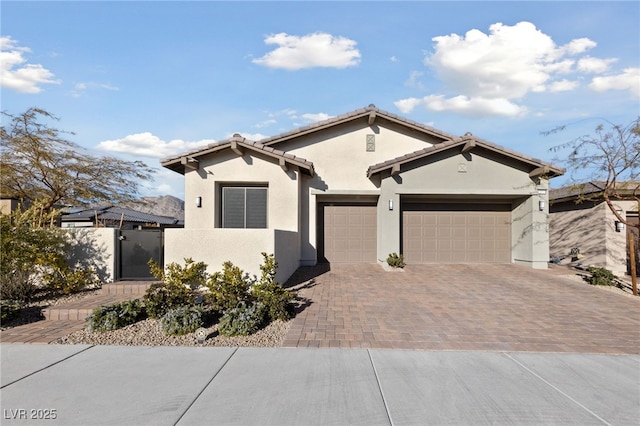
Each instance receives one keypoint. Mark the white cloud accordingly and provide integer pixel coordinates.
(509, 62)
(594, 65)
(563, 86)
(414, 80)
(578, 45)
(265, 123)
(393, 59)
(629, 80)
(310, 51)
(149, 145)
(80, 89)
(18, 75)
(407, 105)
(312, 118)
(487, 74)
(469, 106)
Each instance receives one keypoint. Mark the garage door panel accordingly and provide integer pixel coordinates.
(457, 236)
(350, 233)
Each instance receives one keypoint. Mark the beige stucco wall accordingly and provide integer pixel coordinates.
(242, 247)
(228, 167)
(592, 230)
(473, 175)
(94, 248)
(341, 161)
(202, 239)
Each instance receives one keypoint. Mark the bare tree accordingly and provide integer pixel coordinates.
(38, 163)
(610, 157)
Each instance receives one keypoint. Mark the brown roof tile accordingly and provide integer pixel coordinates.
(377, 168)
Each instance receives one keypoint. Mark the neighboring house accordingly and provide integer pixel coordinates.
(115, 217)
(582, 221)
(357, 187)
(8, 205)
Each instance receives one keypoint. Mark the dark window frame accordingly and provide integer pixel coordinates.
(256, 217)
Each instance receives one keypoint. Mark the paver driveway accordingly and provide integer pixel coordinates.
(461, 307)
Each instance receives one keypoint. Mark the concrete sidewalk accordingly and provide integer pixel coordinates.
(117, 385)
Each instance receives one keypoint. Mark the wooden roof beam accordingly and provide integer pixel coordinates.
(372, 118)
(539, 171)
(468, 146)
(236, 148)
(190, 163)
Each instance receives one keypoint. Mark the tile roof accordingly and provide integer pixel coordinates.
(175, 162)
(355, 115)
(591, 189)
(461, 142)
(115, 213)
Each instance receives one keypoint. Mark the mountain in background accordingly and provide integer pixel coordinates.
(165, 205)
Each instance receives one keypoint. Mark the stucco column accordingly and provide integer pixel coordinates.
(388, 227)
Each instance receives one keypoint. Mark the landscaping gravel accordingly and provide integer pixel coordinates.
(149, 333)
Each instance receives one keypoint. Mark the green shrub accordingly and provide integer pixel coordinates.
(228, 288)
(9, 309)
(117, 315)
(34, 252)
(395, 261)
(182, 320)
(242, 320)
(192, 275)
(161, 298)
(67, 281)
(600, 276)
(275, 299)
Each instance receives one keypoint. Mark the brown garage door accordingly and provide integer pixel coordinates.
(349, 234)
(457, 234)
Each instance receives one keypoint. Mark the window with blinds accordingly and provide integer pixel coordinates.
(244, 207)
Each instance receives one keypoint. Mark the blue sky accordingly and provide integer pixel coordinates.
(145, 80)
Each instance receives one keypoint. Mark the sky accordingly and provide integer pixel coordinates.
(147, 80)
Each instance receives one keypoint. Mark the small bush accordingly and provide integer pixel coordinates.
(17, 285)
(192, 274)
(600, 276)
(117, 315)
(228, 288)
(9, 309)
(242, 320)
(67, 281)
(275, 299)
(396, 261)
(182, 320)
(161, 298)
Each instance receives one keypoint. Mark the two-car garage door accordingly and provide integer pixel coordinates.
(456, 233)
(431, 233)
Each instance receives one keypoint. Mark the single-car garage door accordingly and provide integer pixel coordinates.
(349, 233)
(456, 233)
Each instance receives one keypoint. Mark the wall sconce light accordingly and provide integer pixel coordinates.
(198, 201)
(619, 225)
(390, 204)
(542, 191)
(541, 205)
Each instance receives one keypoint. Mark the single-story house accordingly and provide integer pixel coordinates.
(357, 187)
(115, 217)
(584, 230)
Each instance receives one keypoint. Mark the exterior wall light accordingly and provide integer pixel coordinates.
(198, 201)
(542, 191)
(390, 204)
(541, 205)
(619, 225)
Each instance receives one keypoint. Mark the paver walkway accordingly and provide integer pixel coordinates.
(462, 307)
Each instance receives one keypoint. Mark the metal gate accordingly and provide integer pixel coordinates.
(135, 249)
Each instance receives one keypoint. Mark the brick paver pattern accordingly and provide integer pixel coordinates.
(461, 307)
